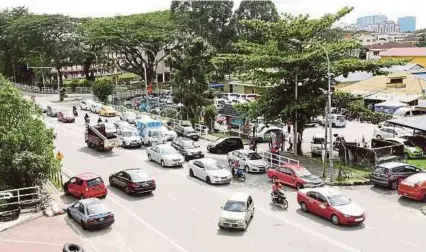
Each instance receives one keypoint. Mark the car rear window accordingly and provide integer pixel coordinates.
(96, 209)
(382, 169)
(95, 182)
(318, 141)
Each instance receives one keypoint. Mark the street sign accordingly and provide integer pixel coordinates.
(59, 156)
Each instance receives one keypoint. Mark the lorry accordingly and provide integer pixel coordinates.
(96, 137)
(151, 131)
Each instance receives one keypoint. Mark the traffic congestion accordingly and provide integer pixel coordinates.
(193, 193)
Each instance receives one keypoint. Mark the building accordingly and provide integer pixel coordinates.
(415, 54)
(411, 40)
(385, 27)
(365, 21)
(407, 24)
(373, 51)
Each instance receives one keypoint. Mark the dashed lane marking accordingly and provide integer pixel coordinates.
(31, 242)
(172, 197)
(195, 210)
(409, 243)
(247, 239)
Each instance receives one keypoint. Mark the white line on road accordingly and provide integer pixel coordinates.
(247, 239)
(159, 233)
(195, 209)
(172, 197)
(31, 242)
(411, 244)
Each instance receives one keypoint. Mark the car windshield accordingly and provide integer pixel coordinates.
(302, 172)
(94, 182)
(214, 166)
(338, 200)
(138, 176)
(129, 134)
(235, 206)
(318, 141)
(219, 140)
(188, 129)
(156, 133)
(340, 118)
(168, 151)
(409, 144)
(189, 145)
(109, 126)
(96, 209)
(253, 156)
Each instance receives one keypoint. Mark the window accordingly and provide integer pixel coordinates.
(321, 198)
(395, 81)
(250, 201)
(198, 164)
(94, 182)
(81, 209)
(79, 182)
(410, 169)
(72, 181)
(398, 169)
(376, 53)
(312, 195)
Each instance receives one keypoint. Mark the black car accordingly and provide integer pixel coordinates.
(187, 131)
(225, 145)
(10, 208)
(52, 112)
(187, 148)
(133, 181)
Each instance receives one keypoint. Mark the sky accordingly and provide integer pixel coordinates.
(315, 8)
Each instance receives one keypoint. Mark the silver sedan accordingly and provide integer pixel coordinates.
(165, 155)
(90, 213)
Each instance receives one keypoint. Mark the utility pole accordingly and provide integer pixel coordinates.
(295, 138)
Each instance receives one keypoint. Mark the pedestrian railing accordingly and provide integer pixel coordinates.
(278, 160)
(24, 197)
(83, 90)
(47, 90)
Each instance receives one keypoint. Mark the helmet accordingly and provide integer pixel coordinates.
(277, 183)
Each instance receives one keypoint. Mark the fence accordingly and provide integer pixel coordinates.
(24, 197)
(278, 160)
(128, 93)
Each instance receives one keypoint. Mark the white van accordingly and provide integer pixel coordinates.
(231, 96)
(408, 111)
(317, 145)
(336, 120)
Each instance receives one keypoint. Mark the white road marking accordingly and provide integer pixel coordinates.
(172, 197)
(159, 233)
(247, 239)
(411, 244)
(195, 209)
(368, 227)
(32, 242)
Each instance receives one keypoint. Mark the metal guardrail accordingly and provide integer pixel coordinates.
(32, 196)
(278, 160)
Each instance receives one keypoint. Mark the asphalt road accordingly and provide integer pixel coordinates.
(182, 214)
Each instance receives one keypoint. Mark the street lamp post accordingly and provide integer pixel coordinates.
(41, 62)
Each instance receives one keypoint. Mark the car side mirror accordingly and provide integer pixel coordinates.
(221, 207)
(379, 126)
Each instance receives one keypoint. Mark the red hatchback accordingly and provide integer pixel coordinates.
(413, 187)
(294, 175)
(87, 185)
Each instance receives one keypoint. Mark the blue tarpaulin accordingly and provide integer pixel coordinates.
(389, 107)
(216, 85)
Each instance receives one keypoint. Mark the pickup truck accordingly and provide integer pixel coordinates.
(97, 138)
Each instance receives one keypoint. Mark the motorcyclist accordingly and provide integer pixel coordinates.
(86, 116)
(276, 188)
(106, 120)
(236, 168)
(99, 120)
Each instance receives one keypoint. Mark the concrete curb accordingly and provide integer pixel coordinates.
(348, 183)
(20, 222)
(423, 210)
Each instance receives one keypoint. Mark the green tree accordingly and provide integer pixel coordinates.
(210, 114)
(295, 48)
(102, 88)
(422, 40)
(192, 67)
(133, 38)
(26, 150)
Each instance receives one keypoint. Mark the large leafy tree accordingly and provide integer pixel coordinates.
(26, 146)
(192, 66)
(294, 48)
(133, 37)
(211, 20)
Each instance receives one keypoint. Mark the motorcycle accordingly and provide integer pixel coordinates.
(238, 174)
(280, 199)
(87, 120)
(74, 111)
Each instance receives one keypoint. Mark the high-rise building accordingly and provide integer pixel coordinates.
(407, 24)
(370, 20)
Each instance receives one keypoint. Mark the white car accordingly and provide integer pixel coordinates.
(110, 128)
(86, 105)
(170, 134)
(95, 108)
(129, 117)
(336, 121)
(237, 211)
(382, 132)
(129, 138)
(165, 155)
(122, 125)
(210, 171)
(250, 160)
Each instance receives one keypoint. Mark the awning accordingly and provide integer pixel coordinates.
(415, 122)
(216, 85)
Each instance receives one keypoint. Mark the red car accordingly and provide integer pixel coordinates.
(331, 205)
(294, 175)
(413, 187)
(87, 185)
(66, 117)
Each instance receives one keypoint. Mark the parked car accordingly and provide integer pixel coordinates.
(264, 133)
(410, 150)
(170, 134)
(390, 174)
(95, 108)
(66, 117)
(414, 187)
(107, 111)
(110, 129)
(52, 111)
(133, 181)
(417, 140)
(331, 205)
(90, 213)
(43, 107)
(225, 145)
(86, 105)
(165, 155)
(86, 185)
(237, 212)
(10, 208)
(129, 117)
(130, 138)
(250, 160)
(294, 175)
(317, 145)
(382, 132)
(187, 148)
(337, 121)
(187, 131)
(210, 171)
(122, 125)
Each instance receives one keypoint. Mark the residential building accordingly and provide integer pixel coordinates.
(414, 54)
(407, 24)
(385, 27)
(370, 20)
(373, 51)
(411, 39)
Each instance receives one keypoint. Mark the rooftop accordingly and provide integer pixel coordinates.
(405, 52)
(239, 196)
(416, 122)
(323, 190)
(390, 45)
(87, 176)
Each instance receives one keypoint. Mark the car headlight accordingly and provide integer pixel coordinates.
(216, 177)
(347, 216)
(308, 185)
(222, 219)
(240, 222)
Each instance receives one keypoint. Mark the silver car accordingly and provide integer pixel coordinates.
(130, 138)
(250, 160)
(90, 213)
(165, 155)
(129, 117)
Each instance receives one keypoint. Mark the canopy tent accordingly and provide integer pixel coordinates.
(389, 106)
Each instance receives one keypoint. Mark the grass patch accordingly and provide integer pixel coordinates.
(352, 173)
(420, 163)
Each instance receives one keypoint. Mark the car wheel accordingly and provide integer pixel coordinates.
(274, 179)
(333, 125)
(394, 185)
(82, 196)
(191, 173)
(303, 207)
(246, 169)
(69, 213)
(124, 145)
(69, 247)
(299, 186)
(83, 225)
(163, 164)
(111, 183)
(335, 220)
(126, 190)
(149, 157)
(379, 137)
(208, 181)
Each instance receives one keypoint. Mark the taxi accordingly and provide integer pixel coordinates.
(107, 111)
